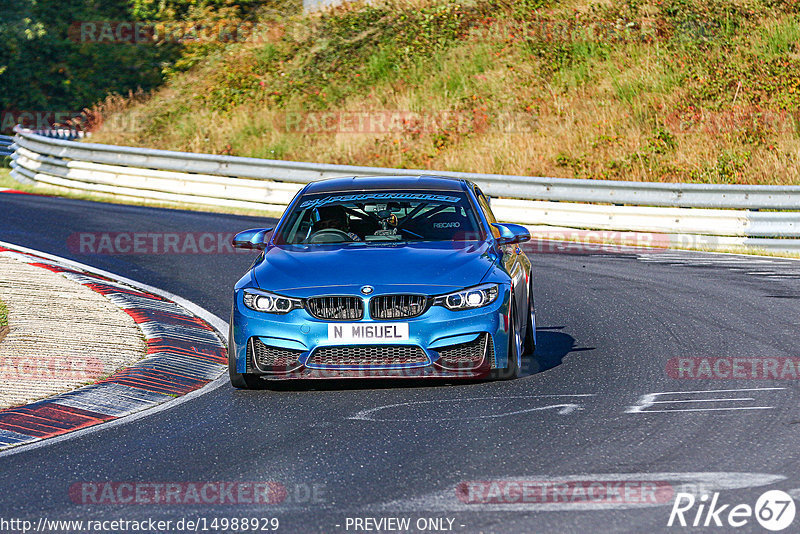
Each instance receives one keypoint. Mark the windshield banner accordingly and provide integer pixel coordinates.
(316, 202)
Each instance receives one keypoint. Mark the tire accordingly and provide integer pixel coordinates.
(243, 380)
(511, 370)
(239, 380)
(529, 345)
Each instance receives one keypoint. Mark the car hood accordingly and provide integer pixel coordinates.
(428, 266)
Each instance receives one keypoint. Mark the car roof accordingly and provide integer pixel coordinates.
(370, 183)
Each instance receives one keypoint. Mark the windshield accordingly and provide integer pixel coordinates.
(380, 217)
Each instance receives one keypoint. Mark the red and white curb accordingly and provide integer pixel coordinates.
(17, 192)
(185, 352)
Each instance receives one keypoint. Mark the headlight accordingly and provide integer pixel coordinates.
(467, 299)
(264, 301)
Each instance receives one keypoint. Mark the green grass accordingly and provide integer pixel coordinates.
(6, 181)
(779, 39)
(3, 316)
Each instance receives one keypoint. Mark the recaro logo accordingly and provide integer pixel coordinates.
(447, 225)
(774, 510)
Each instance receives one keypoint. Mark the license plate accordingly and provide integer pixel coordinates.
(368, 332)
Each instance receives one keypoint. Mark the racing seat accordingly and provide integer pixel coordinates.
(443, 226)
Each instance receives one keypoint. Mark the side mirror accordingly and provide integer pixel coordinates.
(252, 239)
(511, 233)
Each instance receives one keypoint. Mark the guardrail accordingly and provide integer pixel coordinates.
(706, 215)
(5, 145)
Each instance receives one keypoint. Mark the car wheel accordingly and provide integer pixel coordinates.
(243, 380)
(239, 380)
(511, 370)
(529, 344)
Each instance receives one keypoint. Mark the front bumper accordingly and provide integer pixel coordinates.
(441, 344)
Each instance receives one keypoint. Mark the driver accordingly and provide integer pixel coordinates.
(335, 218)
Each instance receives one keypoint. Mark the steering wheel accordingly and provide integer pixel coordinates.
(330, 235)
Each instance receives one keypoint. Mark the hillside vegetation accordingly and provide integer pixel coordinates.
(672, 90)
(49, 70)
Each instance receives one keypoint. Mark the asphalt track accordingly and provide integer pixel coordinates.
(608, 323)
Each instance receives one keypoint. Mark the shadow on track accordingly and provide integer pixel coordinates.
(551, 348)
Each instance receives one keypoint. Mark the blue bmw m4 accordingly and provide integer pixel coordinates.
(383, 277)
